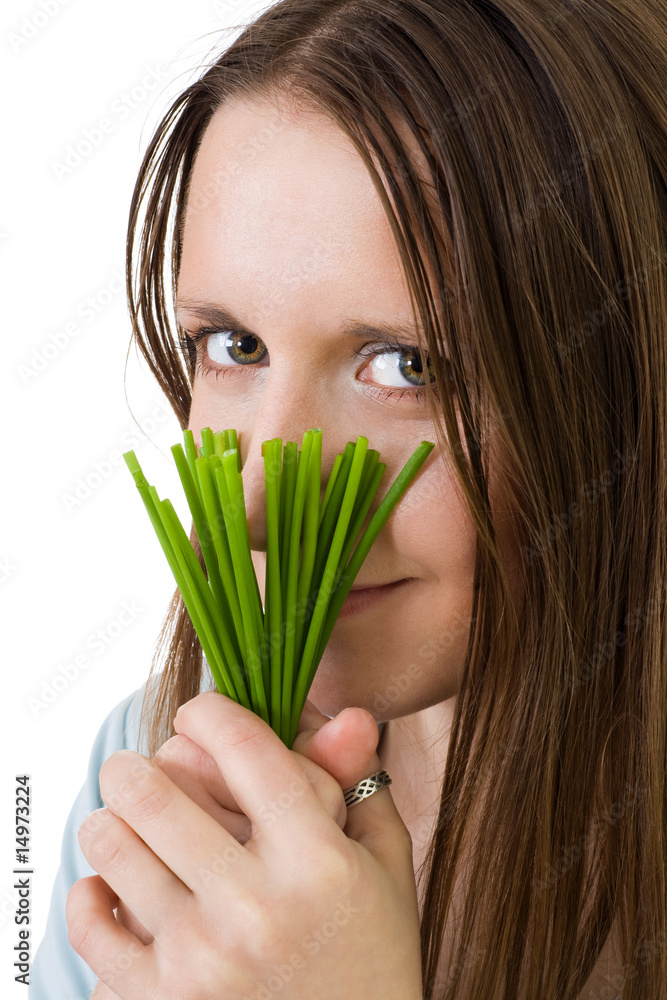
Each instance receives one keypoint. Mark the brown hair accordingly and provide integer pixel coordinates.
(543, 125)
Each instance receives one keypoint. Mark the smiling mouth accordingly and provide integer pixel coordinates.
(360, 598)
(375, 586)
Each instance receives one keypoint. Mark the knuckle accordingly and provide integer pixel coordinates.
(94, 822)
(243, 738)
(181, 757)
(325, 786)
(121, 773)
(260, 926)
(105, 852)
(179, 750)
(195, 938)
(327, 789)
(81, 933)
(338, 870)
(149, 801)
(171, 749)
(123, 762)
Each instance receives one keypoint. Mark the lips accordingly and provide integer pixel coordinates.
(362, 597)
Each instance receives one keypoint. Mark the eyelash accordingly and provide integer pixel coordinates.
(191, 340)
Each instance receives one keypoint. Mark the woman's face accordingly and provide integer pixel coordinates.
(285, 231)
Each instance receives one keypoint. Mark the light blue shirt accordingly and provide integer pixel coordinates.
(58, 972)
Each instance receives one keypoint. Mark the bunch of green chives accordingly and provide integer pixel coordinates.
(266, 658)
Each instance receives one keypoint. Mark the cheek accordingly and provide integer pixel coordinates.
(222, 404)
(397, 664)
(205, 409)
(432, 526)
(198, 410)
(408, 655)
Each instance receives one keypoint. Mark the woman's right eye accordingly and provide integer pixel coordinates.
(227, 349)
(242, 348)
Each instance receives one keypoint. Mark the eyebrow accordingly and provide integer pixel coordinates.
(222, 316)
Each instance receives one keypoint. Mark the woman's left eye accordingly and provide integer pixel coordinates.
(398, 363)
(394, 368)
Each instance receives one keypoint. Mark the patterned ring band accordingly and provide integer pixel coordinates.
(365, 787)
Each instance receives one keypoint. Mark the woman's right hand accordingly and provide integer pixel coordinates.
(343, 746)
(196, 774)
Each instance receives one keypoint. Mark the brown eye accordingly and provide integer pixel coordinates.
(224, 347)
(391, 364)
(412, 367)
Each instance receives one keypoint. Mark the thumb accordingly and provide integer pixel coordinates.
(346, 747)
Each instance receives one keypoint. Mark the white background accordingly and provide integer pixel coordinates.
(75, 540)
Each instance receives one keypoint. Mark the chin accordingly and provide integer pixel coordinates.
(331, 696)
(331, 693)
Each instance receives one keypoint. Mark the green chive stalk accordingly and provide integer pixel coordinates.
(265, 657)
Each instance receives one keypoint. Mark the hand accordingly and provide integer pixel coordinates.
(346, 748)
(301, 901)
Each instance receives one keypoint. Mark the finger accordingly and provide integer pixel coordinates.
(311, 717)
(177, 831)
(346, 747)
(375, 822)
(131, 869)
(195, 772)
(126, 918)
(108, 948)
(343, 746)
(265, 777)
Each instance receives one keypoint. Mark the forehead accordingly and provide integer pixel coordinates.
(284, 201)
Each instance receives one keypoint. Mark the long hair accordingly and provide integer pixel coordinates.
(543, 128)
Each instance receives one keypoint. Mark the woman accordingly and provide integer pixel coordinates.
(408, 219)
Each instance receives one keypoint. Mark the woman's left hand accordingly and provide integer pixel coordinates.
(301, 902)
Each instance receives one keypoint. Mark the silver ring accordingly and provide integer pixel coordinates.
(365, 787)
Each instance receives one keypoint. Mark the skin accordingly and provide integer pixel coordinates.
(200, 916)
(296, 245)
